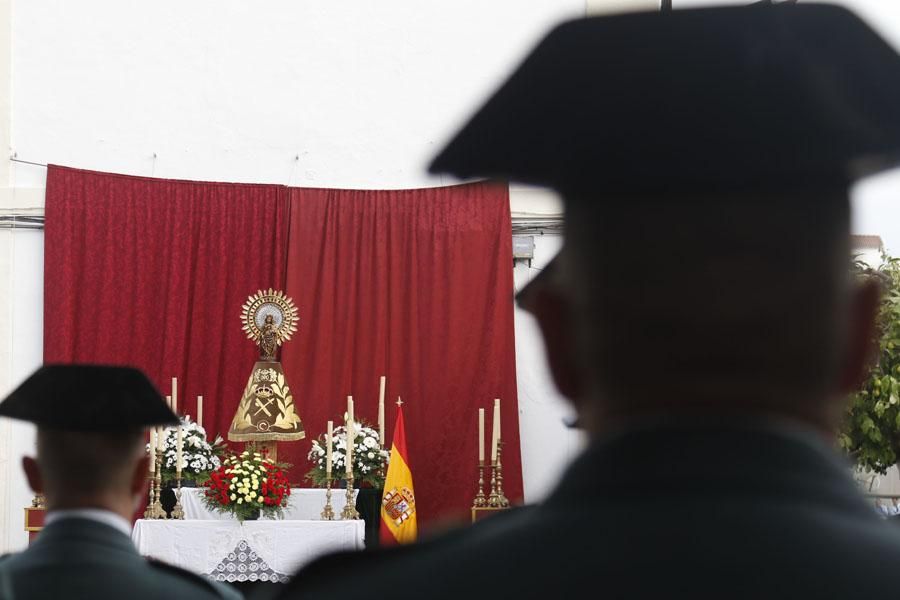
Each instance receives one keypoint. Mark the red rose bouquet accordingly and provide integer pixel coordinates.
(248, 485)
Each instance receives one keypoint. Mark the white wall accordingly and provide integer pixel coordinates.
(364, 92)
(21, 310)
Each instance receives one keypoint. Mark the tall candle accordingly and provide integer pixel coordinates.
(495, 437)
(175, 395)
(328, 449)
(169, 402)
(480, 435)
(200, 411)
(351, 436)
(161, 439)
(152, 448)
(178, 447)
(381, 411)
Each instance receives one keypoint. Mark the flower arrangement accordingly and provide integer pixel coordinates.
(248, 485)
(369, 458)
(198, 456)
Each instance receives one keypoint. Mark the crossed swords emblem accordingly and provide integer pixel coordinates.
(264, 405)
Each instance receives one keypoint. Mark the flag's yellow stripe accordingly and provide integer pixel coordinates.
(399, 476)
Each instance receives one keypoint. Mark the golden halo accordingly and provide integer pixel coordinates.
(264, 303)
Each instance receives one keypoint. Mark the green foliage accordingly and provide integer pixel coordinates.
(871, 434)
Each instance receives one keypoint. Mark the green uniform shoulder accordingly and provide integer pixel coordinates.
(220, 590)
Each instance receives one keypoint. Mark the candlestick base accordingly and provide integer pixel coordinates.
(493, 499)
(328, 511)
(350, 513)
(480, 498)
(178, 510)
(148, 512)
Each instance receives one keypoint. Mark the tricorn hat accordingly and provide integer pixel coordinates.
(725, 98)
(88, 398)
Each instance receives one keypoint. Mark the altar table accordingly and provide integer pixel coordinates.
(304, 504)
(263, 550)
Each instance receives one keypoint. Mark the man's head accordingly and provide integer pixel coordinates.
(76, 469)
(704, 157)
(734, 303)
(90, 444)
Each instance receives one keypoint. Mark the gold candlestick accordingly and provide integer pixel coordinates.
(156, 510)
(480, 498)
(328, 511)
(178, 510)
(502, 502)
(148, 512)
(493, 499)
(350, 513)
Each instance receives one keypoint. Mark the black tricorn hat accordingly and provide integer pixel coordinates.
(726, 98)
(88, 398)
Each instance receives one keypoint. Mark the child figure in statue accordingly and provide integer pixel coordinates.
(268, 339)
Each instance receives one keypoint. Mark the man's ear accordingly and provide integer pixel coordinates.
(139, 475)
(861, 348)
(554, 317)
(33, 474)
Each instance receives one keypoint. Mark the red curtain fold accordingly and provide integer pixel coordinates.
(416, 285)
(413, 284)
(153, 273)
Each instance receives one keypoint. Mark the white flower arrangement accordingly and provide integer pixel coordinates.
(369, 458)
(198, 456)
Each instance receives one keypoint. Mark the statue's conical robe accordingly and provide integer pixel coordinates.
(266, 412)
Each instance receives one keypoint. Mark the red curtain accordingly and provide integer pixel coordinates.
(413, 284)
(416, 285)
(153, 273)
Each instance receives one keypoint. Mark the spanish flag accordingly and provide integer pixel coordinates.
(398, 505)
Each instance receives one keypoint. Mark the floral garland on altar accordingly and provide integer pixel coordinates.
(248, 485)
(369, 458)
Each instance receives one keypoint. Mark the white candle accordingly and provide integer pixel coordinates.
(351, 436)
(161, 439)
(480, 436)
(175, 395)
(169, 402)
(152, 452)
(495, 436)
(381, 411)
(178, 448)
(328, 449)
(200, 411)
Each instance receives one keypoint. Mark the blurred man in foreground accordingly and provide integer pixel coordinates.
(92, 468)
(700, 317)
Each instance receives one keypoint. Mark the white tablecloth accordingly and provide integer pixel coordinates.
(263, 550)
(305, 504)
